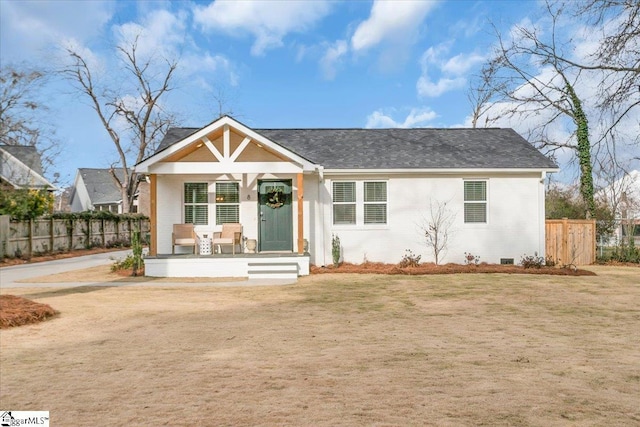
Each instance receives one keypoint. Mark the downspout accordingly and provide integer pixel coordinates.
(320, 202)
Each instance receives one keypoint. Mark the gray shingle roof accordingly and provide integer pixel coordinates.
(100, 185)
(418, 148)
(26, 154)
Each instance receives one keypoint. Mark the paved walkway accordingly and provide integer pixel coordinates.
(10, 276)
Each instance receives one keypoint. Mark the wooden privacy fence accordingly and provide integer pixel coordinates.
(571, 241)
(43, 236)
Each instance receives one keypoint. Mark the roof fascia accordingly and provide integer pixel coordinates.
(437, 171)
(143, 166)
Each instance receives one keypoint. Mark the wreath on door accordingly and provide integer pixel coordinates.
(275, 198)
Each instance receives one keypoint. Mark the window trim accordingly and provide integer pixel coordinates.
(365, 203)
(216, 203)
(359, 187)
(194, 204)
(354, 203)
(484, 202)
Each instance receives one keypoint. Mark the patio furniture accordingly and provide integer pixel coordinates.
(231, 234)
(183, 235)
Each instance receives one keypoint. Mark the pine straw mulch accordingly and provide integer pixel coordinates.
(430, 268)
(18, 311)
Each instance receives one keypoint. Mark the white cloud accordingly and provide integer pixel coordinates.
(29, 28)
(268, 21)
(391, 20)
(331, 57)
(159, 33)
(450, 72)
(417, 117)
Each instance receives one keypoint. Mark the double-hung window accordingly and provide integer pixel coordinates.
(196, 203)
(359, 202)
(227, 202)
(344, 202)
(475, 201)
(375, 202)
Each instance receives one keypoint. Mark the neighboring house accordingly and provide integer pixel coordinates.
(95, 189)
(628, 212)
(21, 168)
(371, 187)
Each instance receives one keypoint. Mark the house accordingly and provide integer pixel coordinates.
(293, 189)
(21, 168)
(95, 189)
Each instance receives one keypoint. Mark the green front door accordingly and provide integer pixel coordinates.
(276, 226)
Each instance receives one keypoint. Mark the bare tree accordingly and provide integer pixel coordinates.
(136, 121)
(436, 228)
(527, 78)
(22, 114)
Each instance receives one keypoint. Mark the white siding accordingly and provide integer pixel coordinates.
(515, 220)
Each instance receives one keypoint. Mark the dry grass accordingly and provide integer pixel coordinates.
(473, 349)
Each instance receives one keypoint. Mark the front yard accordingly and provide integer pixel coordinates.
(461, 349)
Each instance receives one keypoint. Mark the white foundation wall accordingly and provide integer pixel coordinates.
(515, 220)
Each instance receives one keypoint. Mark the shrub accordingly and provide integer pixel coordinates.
(335, 249)
(409, 259)
(126, 263)
(469, 259)
(532, 261)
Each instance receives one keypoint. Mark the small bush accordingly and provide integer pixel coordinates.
(550, 262)
(335, 249)
(532, 261)
(409, 259)
(123, 264)
(470, 259)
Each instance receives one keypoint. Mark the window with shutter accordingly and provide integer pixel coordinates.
(227, 202)
(375, 202)
(196, 203)
(475, 201)
(344, 202)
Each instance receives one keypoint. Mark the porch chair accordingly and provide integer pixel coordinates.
(231, 234)
(184, 235)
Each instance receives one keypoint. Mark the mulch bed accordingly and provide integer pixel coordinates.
(17, 311)
(430, 268)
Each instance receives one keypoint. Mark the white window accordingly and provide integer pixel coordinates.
(358, 202)
(375, 202)
(227, 202)
(196, 203)
(344, 203)
(475, 201)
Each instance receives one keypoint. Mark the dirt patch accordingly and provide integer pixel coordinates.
(17, 311)
(336, 349)
(430, 268)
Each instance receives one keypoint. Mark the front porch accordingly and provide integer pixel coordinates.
(252, 266)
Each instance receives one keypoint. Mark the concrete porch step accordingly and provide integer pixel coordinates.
(272, 270)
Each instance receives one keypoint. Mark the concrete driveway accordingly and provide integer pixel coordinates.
(9, 276)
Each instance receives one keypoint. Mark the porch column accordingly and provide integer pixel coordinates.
(153, 218)
(300, 177)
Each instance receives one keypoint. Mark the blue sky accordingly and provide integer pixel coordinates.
(275, 64)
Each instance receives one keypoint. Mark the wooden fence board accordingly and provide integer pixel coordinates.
(571, 241)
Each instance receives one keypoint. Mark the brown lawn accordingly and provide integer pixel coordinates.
(335, 349)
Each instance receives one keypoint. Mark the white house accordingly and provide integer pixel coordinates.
(95, 190)
(371, 187)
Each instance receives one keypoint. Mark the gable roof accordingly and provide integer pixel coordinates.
(417, 148)
(100, 185)
(21, 166)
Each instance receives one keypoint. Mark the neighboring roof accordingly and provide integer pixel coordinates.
(21, 167)
(26, 154)
(100, 185)
(417, 148)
